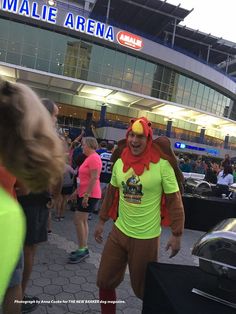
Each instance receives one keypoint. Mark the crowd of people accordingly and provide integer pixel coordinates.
(41, 171)
(215, 172)
(32, 163)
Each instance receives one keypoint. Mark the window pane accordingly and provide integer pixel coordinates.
(44, 53)
(96, 54)
(42, 65)
(166, 78)
(130, 64)
(116, 82)
(109, 56)
(29, 50)
(206, 92)
(31, 35)
(158, 73)
(28, 61)
(139, 67)
(119, 65)
(4, 27)
(2, 55)
(3, 43)
(194, 87)
(14, 46)
(56, 68)
(16, 31)
(13, 58)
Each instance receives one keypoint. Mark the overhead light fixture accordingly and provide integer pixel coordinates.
(169, 119)
(105, 104)
(157, 106)
(98, 91)
(52, 3)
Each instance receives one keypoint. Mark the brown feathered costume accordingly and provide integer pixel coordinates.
(156, 149)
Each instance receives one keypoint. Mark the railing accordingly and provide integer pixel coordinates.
(75, 126)
(162, 42)
(68, 5)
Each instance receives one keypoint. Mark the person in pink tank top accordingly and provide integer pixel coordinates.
(88, 193)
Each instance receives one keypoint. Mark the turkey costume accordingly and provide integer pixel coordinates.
(136, 192)
(156, 149)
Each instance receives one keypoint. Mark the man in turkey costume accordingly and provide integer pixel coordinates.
(143, 171)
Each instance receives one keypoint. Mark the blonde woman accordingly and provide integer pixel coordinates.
(37, 216)
(32, 152)
(89, 192)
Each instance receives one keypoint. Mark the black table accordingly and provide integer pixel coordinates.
(203, 213)
(168, 291)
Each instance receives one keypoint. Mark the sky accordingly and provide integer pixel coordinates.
(211, 16)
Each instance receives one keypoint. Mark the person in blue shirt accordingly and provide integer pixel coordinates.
(185, 166)
(102, 147)
(105, 176)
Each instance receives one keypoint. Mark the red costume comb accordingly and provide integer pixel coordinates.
(140, 126)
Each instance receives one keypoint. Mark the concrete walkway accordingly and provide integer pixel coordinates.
(71, 288)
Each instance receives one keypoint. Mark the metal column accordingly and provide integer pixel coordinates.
(202, 135)
(208, 53)
(108, 10)
(226, 142)
(169, 128)
(173, 35)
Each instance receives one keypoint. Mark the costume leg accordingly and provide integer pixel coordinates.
(112, 269)
(140, 254)
(105, 296)
(113, 261)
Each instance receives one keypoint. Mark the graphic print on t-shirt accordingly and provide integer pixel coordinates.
(105, 175)
(132, 190)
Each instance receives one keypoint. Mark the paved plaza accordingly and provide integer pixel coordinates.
(71, 288)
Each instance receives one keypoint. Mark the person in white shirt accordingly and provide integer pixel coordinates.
(225, 176)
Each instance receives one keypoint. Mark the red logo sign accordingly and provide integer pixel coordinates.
(129, 40)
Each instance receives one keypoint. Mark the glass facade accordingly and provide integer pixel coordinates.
(44, 50)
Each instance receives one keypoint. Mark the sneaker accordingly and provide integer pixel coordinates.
(90, 216)
(49, 231)
(30, 304)
(62, 218)
(73, 253)
(78, 256)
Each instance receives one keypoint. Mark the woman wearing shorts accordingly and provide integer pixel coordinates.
(31, 151)
(66, 191)
(89, 192)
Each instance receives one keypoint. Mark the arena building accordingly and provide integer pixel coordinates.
(106, 61)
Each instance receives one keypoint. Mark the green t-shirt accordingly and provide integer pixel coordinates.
(140, 198)
(12, 232)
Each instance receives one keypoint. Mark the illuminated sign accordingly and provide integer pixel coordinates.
(39, 10)
(89, 26)
(211, 151)
(25, 8)
(129, 40)
(49, 14)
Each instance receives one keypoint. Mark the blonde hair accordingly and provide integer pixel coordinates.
(29, 146)
(91, 142)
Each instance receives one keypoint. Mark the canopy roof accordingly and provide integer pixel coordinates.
(159, 21)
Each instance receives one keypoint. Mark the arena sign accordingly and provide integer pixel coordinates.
(38, 10)
(129, 40)
(50, 14)
(210, 151)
